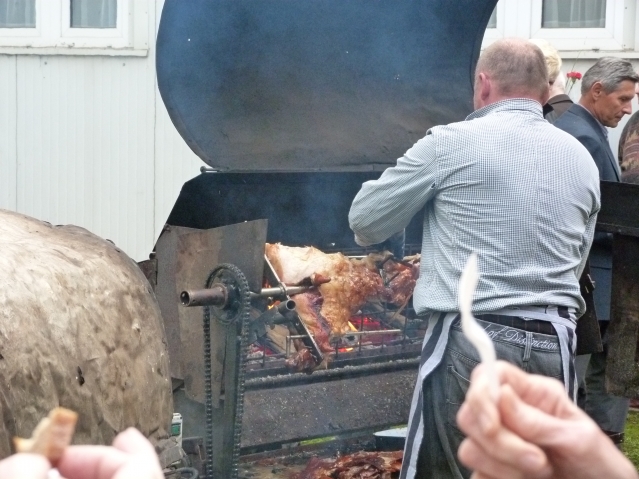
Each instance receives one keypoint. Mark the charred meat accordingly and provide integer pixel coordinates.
(361, 465)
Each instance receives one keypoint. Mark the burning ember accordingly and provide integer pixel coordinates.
(361, 465)
(353, 328)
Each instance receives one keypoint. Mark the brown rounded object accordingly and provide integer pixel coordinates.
(80, 328)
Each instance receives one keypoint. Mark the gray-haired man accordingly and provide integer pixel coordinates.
(524, 196)
(607, 89)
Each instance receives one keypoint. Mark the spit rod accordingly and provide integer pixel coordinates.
(280, 291)
(217, 295)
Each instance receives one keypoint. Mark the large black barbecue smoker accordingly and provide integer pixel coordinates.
(293, 104)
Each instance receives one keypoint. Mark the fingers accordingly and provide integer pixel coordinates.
(501, 447)
(491, 449)
(505, 439)
(25, 466)
(546, 399)
(91, 462)
(102, 462)
(131, 457)
(140, 467)
(511, 462)
(576, 446)
(133, 442)
(473, 457)
(144, 464)
(535, 425)
(544, 393)
(479, 410)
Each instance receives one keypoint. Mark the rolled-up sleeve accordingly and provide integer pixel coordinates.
(385, 206)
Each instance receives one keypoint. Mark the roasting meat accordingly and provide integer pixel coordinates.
(361, 465)
(301, 360)
(309, 306)
(343, 285)
(401, 278)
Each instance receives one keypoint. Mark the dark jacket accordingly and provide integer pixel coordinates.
(583, 126)
(557, 106)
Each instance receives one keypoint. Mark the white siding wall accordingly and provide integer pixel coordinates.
(86, 140)
(8, 154)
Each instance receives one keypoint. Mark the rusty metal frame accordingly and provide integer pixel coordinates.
(185, 258)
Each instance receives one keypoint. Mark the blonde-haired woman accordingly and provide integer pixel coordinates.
(559, 102)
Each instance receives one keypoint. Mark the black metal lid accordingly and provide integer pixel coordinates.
(264, 85)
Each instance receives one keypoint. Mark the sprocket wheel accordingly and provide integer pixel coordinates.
(239, 295)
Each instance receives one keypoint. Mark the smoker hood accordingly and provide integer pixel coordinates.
(308, 85)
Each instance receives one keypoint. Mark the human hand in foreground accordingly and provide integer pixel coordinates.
(534, 431)
(130, 457)
(24, 466)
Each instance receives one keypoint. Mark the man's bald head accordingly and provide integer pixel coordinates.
(514, 68)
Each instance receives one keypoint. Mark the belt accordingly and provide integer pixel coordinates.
(531, 325)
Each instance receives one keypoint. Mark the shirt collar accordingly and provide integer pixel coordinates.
(601, 125)
(511, 104)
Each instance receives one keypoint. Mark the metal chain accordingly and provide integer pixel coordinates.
(243, 308)
(208, 403)
(244, 318)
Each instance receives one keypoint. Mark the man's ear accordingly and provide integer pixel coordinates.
(484, 86)
(596, 90)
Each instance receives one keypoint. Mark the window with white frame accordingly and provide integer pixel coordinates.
(573, 14)
(17, 14)
(570, 25)
(581, 24)
(93, 13)
(68, 25)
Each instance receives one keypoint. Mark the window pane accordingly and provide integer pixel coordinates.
(574, 14)
(94, 13)
(492, 23)
(17, 14)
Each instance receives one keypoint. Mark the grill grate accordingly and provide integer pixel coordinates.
(378, 328)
